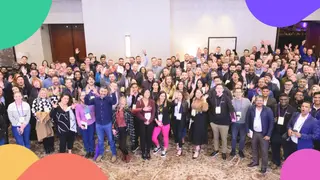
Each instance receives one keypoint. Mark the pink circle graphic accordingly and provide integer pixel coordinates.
(301, 165)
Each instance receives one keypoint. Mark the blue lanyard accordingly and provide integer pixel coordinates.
(19, 111)
(86, 110)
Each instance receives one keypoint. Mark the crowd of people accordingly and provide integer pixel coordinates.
(270, 95)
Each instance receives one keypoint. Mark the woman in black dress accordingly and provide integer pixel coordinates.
(199, 108)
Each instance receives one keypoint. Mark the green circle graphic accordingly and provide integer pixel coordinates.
(21, 19)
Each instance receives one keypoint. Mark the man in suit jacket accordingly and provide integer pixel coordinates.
(282, 115)
(135, 74)
(268, 101)
(260, 121)
(303, 129)
(315, 112)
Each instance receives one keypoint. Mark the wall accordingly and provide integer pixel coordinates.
(46, 43)
(65, 12)
(107, 22)
(194, 21)
(314, 16)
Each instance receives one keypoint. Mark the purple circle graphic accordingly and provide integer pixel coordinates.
(281, 13)
(301, 165)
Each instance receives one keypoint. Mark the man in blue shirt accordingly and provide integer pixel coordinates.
(103, 110)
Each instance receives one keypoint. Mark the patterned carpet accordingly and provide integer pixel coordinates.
(175, 168)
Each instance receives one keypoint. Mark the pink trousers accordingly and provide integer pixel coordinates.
(165, 132)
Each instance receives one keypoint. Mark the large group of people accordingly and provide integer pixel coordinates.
(270, 95)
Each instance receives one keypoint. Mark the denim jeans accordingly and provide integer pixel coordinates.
(2, 141)
(88, 138)
(23, 139)
(237, 128)
(101, 131)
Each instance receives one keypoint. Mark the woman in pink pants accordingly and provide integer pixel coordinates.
(162, 123)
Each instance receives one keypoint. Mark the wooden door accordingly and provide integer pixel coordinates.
(313, 36)
(65, 38)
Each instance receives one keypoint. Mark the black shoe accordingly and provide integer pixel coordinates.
(148, 156)
(224, 156)
(47, 151)
(92, 155)
(134, 148)
(87, 155)
(263, 170)
(252, 164)
(241, 154)
(144, 156)
(214, 153)
(233, 153)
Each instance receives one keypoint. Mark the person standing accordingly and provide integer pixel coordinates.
(303, 129)
(65, 122)
(86, 121)
(162, 123)
(180, 114)
(19, 115)
(282, 115)
(145, 112)
(41, 108)
(221, 113)
(199, 110)
(315, 112)
(103, 103)
(260, 121)
(241, 106)
(122, 126)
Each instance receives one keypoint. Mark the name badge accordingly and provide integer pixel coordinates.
(122, 89)
(88, 116)
(203, 90)
(160, 116)
(46, 110)
(21, 120)
(84, 124)
(218, 110)
(178, 116)
(238, 114)
(154, 76)
(133, 106)
(147, 116)
(193, 112)
(92, 97)
(280, 120)
(227, 81)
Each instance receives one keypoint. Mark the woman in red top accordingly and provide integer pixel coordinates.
(145, 111)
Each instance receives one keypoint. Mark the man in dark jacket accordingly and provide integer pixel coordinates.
(260, 122)
(283, 113)
(221, 113)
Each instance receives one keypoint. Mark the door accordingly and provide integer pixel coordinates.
(313, 36)
(65, 38)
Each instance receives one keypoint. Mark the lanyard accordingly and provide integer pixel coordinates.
(86, 109)
(279, 111)
(220, 101)
(19, 111)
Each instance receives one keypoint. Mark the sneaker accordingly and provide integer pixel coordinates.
(99, 158)
(156, 150)
(113, 159)
(233, 153)
(224, 156)
(163, 153)
(135, 148)
(214, 153)
(179, 152)
(87, 155)
(241, 154)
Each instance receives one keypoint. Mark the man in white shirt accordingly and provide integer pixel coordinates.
(303, 129)
(260, 122)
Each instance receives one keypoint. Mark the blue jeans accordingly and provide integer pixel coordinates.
(23, 139)
(101, 131)
(88, 138)
(237, 128)
(2, 141)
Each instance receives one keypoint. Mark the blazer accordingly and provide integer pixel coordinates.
(309, 131)
(279, 130)
(267, 120)
(271, 103)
